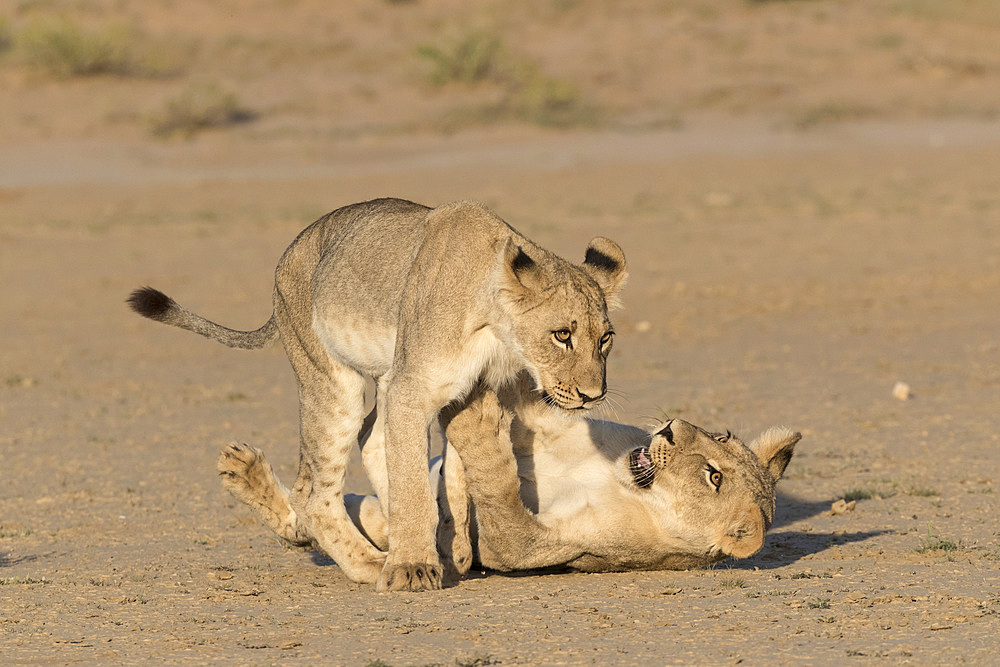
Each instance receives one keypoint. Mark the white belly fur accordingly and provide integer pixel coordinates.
(356, 342)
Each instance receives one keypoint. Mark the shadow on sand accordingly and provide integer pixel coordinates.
(6, 559)
(783, 548)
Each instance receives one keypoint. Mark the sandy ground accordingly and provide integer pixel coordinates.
(781, 272)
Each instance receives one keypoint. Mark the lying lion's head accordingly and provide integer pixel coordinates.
(711, 489)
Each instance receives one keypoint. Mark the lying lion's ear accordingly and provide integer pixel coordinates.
(774, 448)
(520, 267)
(604, 261)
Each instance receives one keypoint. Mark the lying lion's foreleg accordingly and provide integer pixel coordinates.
(510, 537)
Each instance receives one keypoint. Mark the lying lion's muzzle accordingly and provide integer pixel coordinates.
(641, 466)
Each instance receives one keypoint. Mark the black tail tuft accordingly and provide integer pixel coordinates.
(151, 303)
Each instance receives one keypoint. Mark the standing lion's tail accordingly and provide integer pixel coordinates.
(156, 305)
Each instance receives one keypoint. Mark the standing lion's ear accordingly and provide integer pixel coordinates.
(604, 261)
(774, 448)
(520, 267)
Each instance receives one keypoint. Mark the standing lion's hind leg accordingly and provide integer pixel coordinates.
(331, 413)
(249, 477)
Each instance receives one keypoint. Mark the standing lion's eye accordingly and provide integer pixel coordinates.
(563, 336)
(606, 338)
(723, 437)
(714, 477)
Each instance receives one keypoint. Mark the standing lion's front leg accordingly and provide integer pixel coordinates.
(510, 537)
(413, 562)
(447, 482)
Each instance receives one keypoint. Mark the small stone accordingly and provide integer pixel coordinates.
(643, 326)
(901, 390)
(842, 507)
(718, 199)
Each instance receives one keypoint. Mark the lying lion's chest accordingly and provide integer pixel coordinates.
(567, 489)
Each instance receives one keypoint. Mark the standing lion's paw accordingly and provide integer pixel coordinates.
(410, 577)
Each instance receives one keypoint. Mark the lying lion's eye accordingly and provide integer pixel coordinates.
(563, 335)
(714, 477)
(723, 437)
(606, 338)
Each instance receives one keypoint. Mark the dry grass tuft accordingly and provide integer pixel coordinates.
(202, 106)
(64, 48)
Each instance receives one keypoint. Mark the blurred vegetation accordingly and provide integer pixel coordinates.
(529, 95)
(6, 34)
(468, 58)
(64, 47)
(347, 69)
(201, 106)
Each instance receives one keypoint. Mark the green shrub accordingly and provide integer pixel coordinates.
(937, 543)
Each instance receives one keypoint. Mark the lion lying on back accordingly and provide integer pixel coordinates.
(591, 495)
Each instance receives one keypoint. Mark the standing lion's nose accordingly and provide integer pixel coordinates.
(586, 398)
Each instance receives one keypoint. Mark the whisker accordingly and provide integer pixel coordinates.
(650, 422)
(613, 407)
(620, 394)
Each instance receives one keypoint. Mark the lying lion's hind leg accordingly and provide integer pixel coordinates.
(366, 513)
(249, 477)
(454, 543)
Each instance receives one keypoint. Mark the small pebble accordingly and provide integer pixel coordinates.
(901, 390)
(643, 326)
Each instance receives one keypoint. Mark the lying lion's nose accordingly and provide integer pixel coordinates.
(666, 432)
(590, 399)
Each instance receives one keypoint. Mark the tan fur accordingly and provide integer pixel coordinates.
(586, 511)
(428, 302)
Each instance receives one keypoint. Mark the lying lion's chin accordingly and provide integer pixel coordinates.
(745, 536)
(743, 548)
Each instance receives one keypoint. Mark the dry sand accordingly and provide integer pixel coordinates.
(782, 272)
